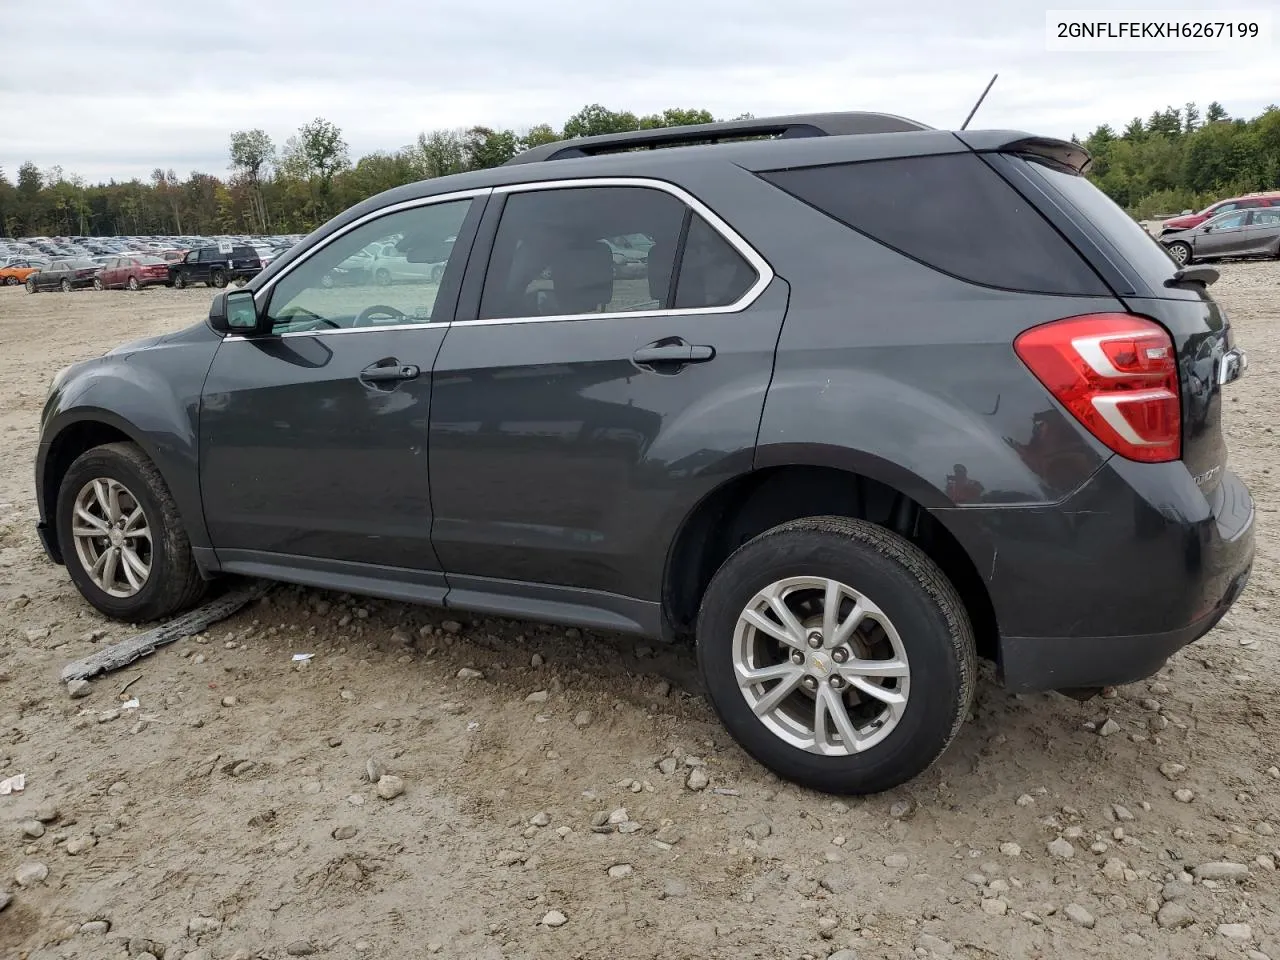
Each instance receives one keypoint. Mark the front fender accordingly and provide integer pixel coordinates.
(151, 396)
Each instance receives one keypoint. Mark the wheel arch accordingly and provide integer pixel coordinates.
(881, 493)
(82, 429)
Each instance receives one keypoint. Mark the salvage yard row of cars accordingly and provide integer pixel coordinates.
(60, 263)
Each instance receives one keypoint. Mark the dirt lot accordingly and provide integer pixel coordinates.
(230, 814)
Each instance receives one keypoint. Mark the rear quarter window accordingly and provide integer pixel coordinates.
(952, 213)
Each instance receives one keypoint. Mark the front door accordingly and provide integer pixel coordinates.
(313, 439)
(1222, 236)
(588, 401)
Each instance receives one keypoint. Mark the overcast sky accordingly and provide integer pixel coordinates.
(115, 88)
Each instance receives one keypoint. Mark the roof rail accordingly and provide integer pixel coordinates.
(795, 125)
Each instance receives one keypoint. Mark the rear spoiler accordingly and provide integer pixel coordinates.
(1064, 152)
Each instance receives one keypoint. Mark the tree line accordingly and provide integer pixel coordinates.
(1167, 163)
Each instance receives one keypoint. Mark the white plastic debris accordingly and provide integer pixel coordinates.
(302, 657)
(130, 704)
(473, 725)
(14, 784)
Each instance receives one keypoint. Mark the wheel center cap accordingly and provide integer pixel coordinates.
(117, 538)
(820, 664)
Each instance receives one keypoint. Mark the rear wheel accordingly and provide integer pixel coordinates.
(122, 537)
(382, 278)
(31, 285)
(837, 654)
(1180, 252)
(97, 284)
(66, 285)
(133, 283)
(11, 281)
(217, 279)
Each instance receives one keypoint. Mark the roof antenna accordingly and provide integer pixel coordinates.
(979, 103)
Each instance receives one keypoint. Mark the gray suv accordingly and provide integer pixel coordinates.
(828, 428)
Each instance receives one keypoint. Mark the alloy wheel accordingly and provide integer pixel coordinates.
(112, 537)
(821, 666)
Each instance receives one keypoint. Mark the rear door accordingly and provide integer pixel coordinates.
(579, 412)
(1262, 231)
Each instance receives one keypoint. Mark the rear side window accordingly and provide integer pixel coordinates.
(712, 272)
(1144, 253)
(953, 213)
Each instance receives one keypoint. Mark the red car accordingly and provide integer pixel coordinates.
(1189, 220)
(132, 272)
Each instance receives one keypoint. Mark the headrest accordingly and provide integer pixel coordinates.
(582, 277)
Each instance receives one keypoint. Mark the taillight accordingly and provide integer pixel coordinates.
(1117, 374)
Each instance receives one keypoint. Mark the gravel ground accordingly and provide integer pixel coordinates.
(432, 787)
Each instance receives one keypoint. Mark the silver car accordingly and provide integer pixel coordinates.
(1240, 233)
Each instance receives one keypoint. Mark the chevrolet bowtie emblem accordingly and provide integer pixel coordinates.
(819, 665)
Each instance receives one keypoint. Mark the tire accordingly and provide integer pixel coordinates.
(180, 281)
(133, 284)
(173, 582)
(11, 281)
(1181, 252)
(934, 648)
(217, 279)
(97, 284)
(65, 285)
(382, 278)
(31, 286)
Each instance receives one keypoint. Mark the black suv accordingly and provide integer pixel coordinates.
(883, 399)
(215, 266)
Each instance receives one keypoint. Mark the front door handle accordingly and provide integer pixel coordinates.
(673, 351)
(389, 370)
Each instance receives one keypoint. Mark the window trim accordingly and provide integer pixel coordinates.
(764, 272)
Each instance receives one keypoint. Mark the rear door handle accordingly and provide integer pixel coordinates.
(673, 352)
(389, 370)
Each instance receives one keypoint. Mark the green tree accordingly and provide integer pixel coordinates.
(1215, 113)
(483, 148)
(594, 119)
(252, 152)
(537, 136)
(440, 153)
(1190, 118)
(676, 117)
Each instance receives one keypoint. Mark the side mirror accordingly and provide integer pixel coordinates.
(235, 313)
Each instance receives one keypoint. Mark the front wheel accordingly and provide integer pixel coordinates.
(217, 279)
(122, 538)
(31, 286)
(133, 284)
(837, 654)
(180, 281)
(66, 285)
(97, 283)
(1180, 252)
(11, 281)
(382, 278)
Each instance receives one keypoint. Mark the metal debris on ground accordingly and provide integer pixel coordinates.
(126, 651)
(302, 657)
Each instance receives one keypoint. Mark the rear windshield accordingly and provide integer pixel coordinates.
(1144, 253)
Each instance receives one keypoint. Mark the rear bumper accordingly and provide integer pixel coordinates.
(1104, 587)
(1034, 663)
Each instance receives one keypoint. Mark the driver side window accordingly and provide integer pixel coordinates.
(386, 272)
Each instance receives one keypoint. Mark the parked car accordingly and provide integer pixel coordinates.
(18, 269)
(133, 272)
(215, 267)
(390, 265)
(64, 275)
(839, 437)
(1248, 201)
(1241, 233)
